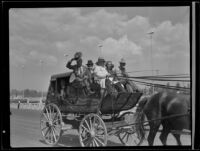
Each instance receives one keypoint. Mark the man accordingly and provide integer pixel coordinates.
(79, 71)
(123, 76)
(90, 67)
(113, 79)
(100, 74)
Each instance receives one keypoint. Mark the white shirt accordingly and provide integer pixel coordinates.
(101, 72)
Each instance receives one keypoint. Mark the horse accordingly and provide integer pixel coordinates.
(159, 107)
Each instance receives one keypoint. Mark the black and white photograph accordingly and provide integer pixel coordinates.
(100, 76)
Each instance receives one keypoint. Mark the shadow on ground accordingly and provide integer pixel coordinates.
(69, 140)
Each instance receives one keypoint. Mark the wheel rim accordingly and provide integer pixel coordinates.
(51, 124)
(131, 135)
(92, 131)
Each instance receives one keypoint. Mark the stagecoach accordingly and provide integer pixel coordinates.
(70, 107)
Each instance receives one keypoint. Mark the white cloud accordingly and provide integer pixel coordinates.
(37, 56)
(123, 47)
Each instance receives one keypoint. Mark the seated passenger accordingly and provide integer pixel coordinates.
(100, 74)
(90, 67)
(113, 77)
(123, 77)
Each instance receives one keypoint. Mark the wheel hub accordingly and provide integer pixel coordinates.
(92, 133)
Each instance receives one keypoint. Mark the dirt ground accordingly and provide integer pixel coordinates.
(25, 132)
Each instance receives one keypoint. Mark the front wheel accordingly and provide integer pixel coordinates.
(131, 135)
(51, 124)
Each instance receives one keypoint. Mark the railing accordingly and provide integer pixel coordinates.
(31, 106)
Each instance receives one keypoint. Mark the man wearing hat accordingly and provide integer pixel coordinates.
(130, 86)
(100, 74)
(90, 67)
(113, 79)
(79, 70)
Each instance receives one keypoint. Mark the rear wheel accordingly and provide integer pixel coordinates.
(92, 131)
(132, 135)
(51, 124)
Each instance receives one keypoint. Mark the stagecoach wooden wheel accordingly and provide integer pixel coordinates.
(51, 124)
(92, 131)
(131, 135)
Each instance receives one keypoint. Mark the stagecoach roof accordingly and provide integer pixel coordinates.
(60, 75)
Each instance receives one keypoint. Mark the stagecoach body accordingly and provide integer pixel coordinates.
(68, 107)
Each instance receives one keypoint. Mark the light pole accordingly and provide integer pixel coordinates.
(41, 61)
(100, 46)
(151, 37)
(23, 78)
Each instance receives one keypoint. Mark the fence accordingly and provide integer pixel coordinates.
(30, 106)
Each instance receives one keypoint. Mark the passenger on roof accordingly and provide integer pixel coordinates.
(80, 71)
(113, 78)
(100, 74)
(123, 77)
(90, 67)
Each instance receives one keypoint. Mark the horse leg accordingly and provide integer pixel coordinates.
(153, 130)
(177, 137)
(164, 134)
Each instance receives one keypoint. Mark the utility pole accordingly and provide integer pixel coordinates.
(41, 61)
(151, 37)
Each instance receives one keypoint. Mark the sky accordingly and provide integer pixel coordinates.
(39, 39)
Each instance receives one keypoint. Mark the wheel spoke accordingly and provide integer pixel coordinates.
(43, 121)
(88, 142)
(98, 140)
(54, 121)
(50, 113)
(56, 115)
(45, 116)
(93, 144)
(47, 132)
(90, 123)
(87, 124)
(85, 128)
(102, 136)
(96, 143)
(57, 132)
(54, 135)
(44, 128)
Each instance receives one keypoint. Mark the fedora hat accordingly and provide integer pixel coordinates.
(78, 55)
(122, 61)
(100, 60)
(109, 63)
(89, 63)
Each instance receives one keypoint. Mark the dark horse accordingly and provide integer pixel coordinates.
(162, 105)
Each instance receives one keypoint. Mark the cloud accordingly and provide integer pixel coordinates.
(123, 47)
(49, 33)
(48, 59)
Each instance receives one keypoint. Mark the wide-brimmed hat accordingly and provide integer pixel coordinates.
(78, 55)
(122, 61)
(89, 63)
(100, 60)
(109, 63)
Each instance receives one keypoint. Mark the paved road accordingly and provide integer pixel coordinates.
(25, 132)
